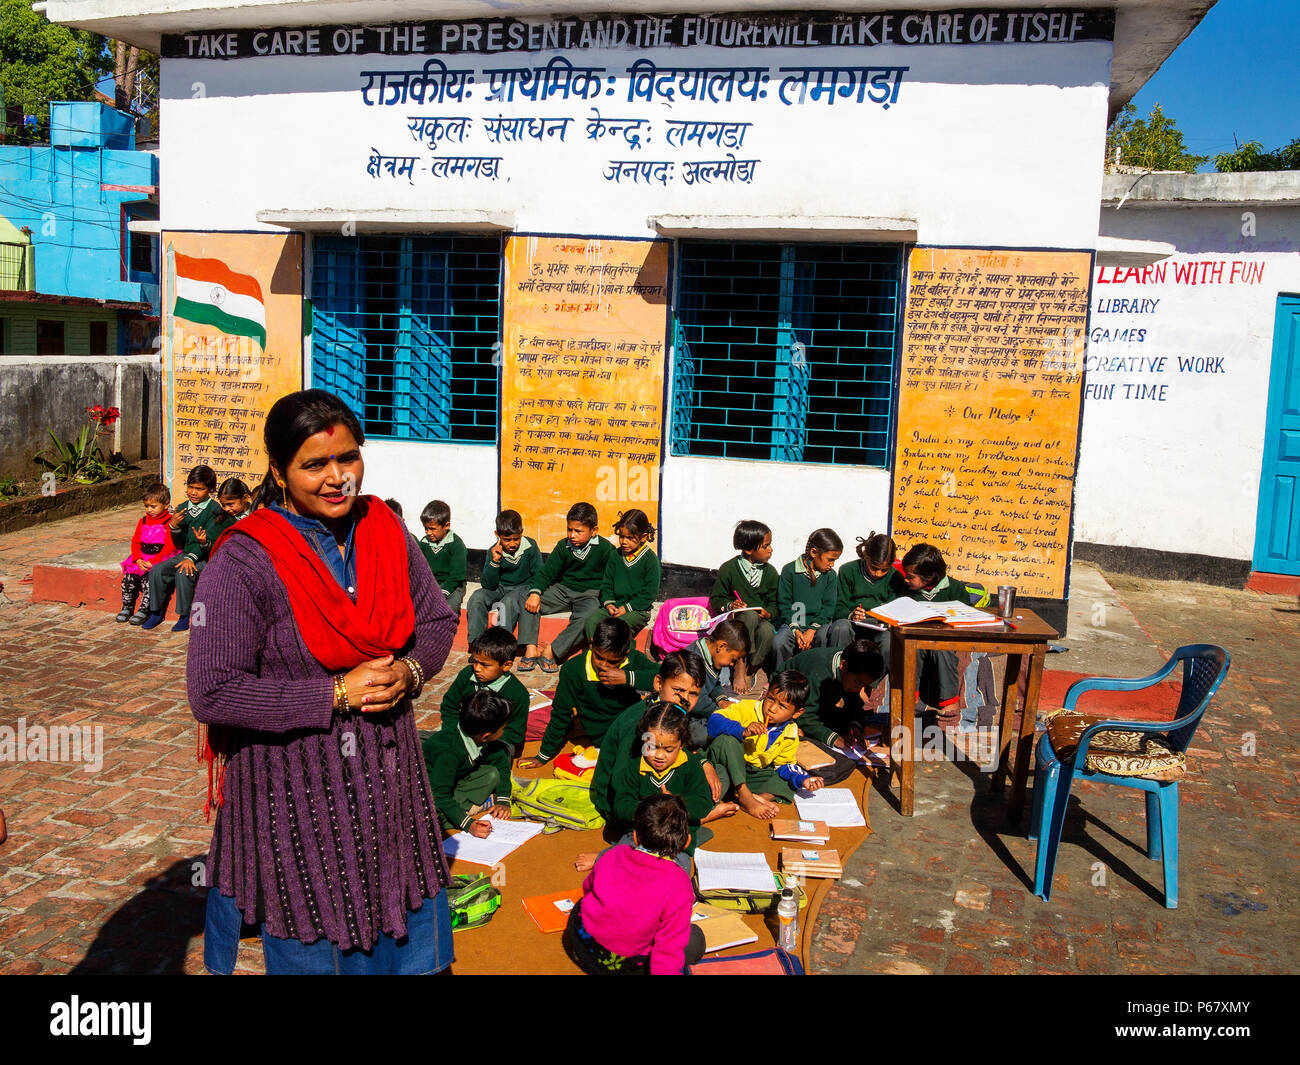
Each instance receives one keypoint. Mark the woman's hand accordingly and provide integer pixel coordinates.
(377, 685)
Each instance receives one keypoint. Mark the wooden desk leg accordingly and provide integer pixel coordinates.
(1010, 696)
(907, 765)
(895, 708)
(1025, 746)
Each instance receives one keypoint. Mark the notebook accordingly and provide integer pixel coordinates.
(812, 861)
(551, 912)
(801, 831)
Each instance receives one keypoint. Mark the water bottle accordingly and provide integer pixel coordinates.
(787, 914)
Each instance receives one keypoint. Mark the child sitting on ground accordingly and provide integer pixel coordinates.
(631, 581)
(509, 568)
(748, 580)
(864, 584)
(755, 746)
(719, 653)
(619, 770)
(194, 529)
(150, 544)
(926, 575)
(835, 716)
(635, 913)
(445, 552)
(597, 687)
(807, 594)
(469, 768)
(491, 654)
(570, 581)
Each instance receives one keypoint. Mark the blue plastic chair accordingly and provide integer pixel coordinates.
(1204, 667)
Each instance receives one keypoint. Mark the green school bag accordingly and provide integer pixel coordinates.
(749, 901)
(472, 900)
(556, 802)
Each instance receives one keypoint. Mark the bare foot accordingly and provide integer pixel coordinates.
(723, 809)
(759, 806)
(584, 861)
(530, 651)
(740, 682)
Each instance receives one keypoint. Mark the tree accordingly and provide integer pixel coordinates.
(40, 62)
(1151, 143)
(1251, 156)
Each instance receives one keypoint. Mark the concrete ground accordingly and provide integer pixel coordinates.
(100, 873)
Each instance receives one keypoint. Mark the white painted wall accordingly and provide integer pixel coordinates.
(989, 144)
(1181, 473)
(464, 476)
(704, 498)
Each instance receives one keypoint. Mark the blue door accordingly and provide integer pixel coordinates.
(1277, 530)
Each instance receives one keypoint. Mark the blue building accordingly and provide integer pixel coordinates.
(78, 221)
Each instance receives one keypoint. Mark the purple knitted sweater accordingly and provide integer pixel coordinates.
(328, 828)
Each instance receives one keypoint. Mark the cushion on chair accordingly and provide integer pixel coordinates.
(1118, 752)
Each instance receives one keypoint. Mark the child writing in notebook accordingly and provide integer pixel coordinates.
(631, 581)
(635, 913)
(864, 584)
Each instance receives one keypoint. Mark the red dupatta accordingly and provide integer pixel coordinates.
(339, 633)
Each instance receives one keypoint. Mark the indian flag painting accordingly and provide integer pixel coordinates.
(210, 293)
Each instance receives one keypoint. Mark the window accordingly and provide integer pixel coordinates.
(99, 338)
(142, 253)
(785, 352)
(405, 329)
(49, 337)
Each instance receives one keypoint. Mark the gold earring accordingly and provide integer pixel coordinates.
(285, 492)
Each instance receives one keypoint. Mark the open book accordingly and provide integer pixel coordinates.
(910, 612)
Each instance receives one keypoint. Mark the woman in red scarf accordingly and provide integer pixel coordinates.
(316, 622)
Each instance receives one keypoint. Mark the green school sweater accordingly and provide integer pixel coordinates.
(211, 519)
(634, 586)
(580, 574)
(618, 785)
(818, 599)
(448, 763)
(449, 563)
(508, 575)
(948, 590)
(465, 685)
(822, 719)
(596, 704)
(731, 581)
(858, 589)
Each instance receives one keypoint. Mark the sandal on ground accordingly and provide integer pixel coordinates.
(526, 664)
(123, 615)
(549, 665)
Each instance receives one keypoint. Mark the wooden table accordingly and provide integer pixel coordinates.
(1030, 636)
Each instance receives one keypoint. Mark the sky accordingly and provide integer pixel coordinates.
(1238, 73)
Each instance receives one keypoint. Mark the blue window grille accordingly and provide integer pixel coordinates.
(405, 330)
(785, 352)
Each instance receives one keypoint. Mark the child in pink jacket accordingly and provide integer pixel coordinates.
(150, 545)
(635, 915)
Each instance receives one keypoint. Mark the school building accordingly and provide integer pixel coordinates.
(831, 267)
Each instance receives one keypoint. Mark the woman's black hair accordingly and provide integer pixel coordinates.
(926, 561)
(877, 550)
(823, 540)
(290, 422)
(749, 535)
(679, 662)
(613, 636)
(232, 488)
(635, 523)
(664, 717)
(662, 826)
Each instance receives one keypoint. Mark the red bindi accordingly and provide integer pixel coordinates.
(329, 429)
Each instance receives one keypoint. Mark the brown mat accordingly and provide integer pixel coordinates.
(512, 943)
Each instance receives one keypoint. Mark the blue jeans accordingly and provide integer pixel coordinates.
(425, 948)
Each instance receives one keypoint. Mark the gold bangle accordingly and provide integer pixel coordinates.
(417, 673)
(341, 695)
